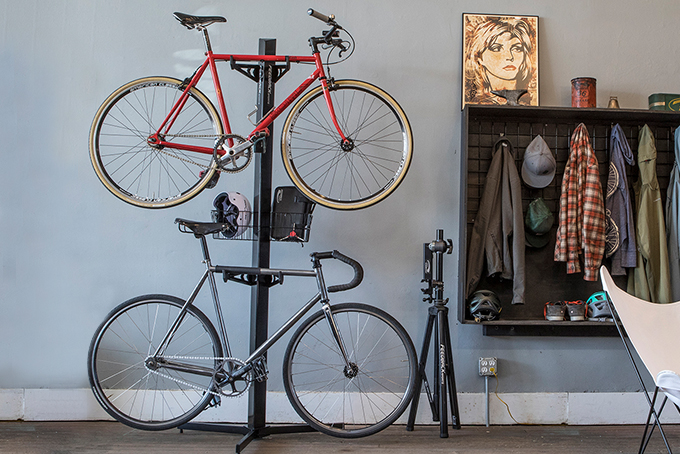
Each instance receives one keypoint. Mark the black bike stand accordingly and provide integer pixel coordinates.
(266, 74)
(443, 379)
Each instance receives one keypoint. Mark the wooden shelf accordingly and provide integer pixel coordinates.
(546, 328)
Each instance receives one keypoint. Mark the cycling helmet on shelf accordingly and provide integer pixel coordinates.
(484, 306)
(598, 309)
(232, 208)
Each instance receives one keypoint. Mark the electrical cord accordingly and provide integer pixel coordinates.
(507, 406)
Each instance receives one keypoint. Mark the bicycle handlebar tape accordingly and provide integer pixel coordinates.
(321, 17)
(358, 273)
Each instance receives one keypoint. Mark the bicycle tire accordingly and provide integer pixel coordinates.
(355, 178)
(129, 391)
(315, 377)
(134, 171)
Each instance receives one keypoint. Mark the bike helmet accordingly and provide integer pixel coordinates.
(484, 306)
(232, 208)
(598, 309)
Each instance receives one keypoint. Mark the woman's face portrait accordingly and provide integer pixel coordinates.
(503, 57)
(499, 53)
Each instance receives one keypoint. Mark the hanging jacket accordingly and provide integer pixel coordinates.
(620, 226)
(581, 230)
(498, 231)
(672, 220)
(650, 279)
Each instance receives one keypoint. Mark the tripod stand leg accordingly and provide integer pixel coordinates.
(421, 378)
(451, 377)
(442, 373)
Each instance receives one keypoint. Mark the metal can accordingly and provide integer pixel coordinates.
(583, 92)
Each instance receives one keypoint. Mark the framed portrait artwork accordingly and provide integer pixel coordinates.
(500, 56)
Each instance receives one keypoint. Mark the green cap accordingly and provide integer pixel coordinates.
(538, 222)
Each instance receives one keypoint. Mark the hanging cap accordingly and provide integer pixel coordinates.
(538, 222)
(538, 169)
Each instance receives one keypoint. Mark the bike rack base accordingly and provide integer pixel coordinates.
(249, 433)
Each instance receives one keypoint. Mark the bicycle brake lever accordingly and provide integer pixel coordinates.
(343, 49)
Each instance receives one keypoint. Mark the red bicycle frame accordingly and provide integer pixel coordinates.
(158, 138)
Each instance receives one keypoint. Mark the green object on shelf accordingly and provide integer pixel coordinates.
(664, 101)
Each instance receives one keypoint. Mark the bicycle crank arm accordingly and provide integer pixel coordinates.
(238, 150)
(231, 155)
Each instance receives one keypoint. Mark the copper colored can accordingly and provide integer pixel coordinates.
(583, 92)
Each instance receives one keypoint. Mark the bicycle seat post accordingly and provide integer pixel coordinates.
(204, 248)
(206, 38)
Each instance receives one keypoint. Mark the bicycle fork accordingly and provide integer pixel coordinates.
(351, 369)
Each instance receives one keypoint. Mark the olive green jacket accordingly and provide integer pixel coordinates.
(650, 280)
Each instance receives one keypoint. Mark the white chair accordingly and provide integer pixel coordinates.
(652, 329)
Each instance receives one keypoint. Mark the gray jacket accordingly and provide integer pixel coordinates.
(673, 221)
(620, 225)
(498, 231)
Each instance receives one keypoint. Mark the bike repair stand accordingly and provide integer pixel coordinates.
(266, 74)
(444, 379)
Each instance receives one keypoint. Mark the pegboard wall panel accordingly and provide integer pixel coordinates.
(547, 280)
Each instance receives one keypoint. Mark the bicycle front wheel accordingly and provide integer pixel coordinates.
(361, 171)
(364, 397)
(138, 391)
(152, 176)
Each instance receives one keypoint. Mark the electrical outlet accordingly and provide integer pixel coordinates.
(488, 366)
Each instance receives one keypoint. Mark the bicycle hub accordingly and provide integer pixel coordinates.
(151, 363)
(347, 145)
(153, 142)
(351, 371)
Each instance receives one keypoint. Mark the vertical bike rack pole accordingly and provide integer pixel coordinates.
(259, 305)
(259, 301)
(444, 382)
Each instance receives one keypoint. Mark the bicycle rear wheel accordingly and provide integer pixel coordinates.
(361, 400)
(356, 174)
(143, 395)
(144, 175)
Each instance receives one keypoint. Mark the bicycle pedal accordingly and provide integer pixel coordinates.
(258, 137)
(216, 401)
(213, 181)
(260, 370)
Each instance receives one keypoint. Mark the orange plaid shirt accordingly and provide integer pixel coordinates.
(581, 230)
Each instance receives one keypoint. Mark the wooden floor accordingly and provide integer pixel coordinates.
(111, 438)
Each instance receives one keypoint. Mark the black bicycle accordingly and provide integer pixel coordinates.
(157, 361)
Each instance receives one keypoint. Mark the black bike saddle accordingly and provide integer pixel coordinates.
(190, 21)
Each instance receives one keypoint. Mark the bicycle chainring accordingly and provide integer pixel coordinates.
(232, 161)
(229, 386)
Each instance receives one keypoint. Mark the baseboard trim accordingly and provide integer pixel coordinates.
(526, 408)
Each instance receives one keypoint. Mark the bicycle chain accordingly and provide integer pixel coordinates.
(202, 136)
(189, 161)
(247, 379)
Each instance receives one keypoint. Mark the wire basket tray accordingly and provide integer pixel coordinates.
(290, 227)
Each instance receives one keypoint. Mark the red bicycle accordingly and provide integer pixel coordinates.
(157, 142)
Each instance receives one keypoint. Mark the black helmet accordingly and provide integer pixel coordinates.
(484, 305)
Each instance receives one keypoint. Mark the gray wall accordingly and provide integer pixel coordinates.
(70, 251)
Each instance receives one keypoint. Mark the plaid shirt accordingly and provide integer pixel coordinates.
(581, 228)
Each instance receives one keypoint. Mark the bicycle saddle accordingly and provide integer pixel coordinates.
(202, 228)
(190, 21)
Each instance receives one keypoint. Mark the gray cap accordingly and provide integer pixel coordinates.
(538, 169)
